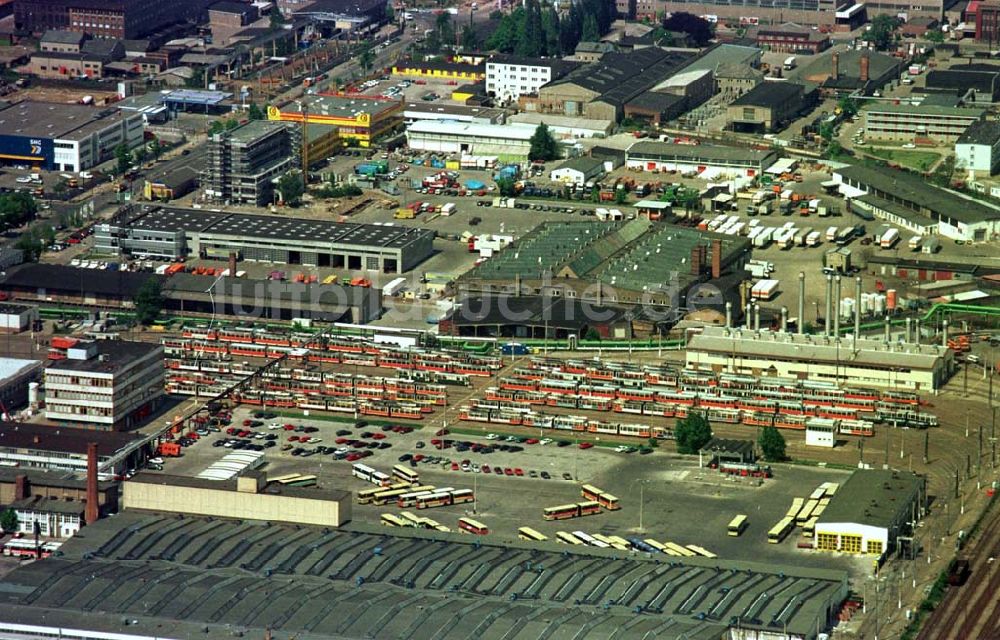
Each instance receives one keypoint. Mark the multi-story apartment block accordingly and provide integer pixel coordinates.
(510, 77)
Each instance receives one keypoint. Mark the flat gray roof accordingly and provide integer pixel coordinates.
(370, 582)
(54, 120)
(314, 493)
(873, 497)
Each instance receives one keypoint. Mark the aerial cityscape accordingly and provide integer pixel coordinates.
(512, 320)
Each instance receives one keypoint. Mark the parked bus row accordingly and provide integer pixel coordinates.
(407, 519)
(473, 413)
(26, 548)
(567, 511)
(647, 545)
(605, 499)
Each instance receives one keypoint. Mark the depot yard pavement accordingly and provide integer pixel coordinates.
(673, 489)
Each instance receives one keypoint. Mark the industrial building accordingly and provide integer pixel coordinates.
(706, 161)
(754, 12)
(957, 216)
(565, 127)
(15, 318)
(851, 72)
(770, 106)
(244, 498)
(970, 82)
(244, 163)
(910, 122)
(243, 298)
(174, 233)
(624, 263)
(105, 384)
(19, 380)
(416, 111)
(357, 571)
(578, 171)
(106, 18)
(508, 77)
(872, 512)
(56, 448)
(867, 362)
(64, 137)
(510, 143)
(359, 118)
(978, 149)
(48, 484)
(791, 38)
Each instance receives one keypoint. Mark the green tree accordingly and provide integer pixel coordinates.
(148, 301)
(291, 188)
(772, 444)
(156, 148)
(255, 113)
(849, 106)
(692, 433)
(621, 196)
(833, 150)
(882, 32)
(698, 30)
(543, 145)
(366, 59)
(197, 79)
(140, 154)
(215, 127)
(277, 20)
(935, 35)
(123, 157)
(505, 187)
(550, 26)
(230, 123)
(390, 13)
(60, 187)
(470, 39)
(653, 443)
(531, 39)
(592, 334)
(445, 30)
(826, 131)
(8, 521)
(590, 32)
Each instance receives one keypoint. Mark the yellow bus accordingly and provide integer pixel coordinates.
(738, 525)
(411, 519)
(405, 474)
(620, 543)
(701, 551)
(678, 549)
(818, 493)
(656, 545)
(780, 530)
(392, 520)
(809, 527)
(285, 478)
(806, 512)
(567, 538)
(527, 533)
(365, 495)
(468, 525)
(386, 496)
(795, 508)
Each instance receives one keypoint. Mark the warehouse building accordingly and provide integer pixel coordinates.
(416, 111)
(461, 71)
(105, 384)
(956, 216)
(706, 161)
(360, 118)
(917, 122)
(32, 447)
(578, 171)
(971, 82)
(866, 362)
(510, 143)
(978, 149)
(15, 318)
(243, 498)
(244, 163)
(64, 137)
(174, 233)
(17, 484)
(851, 72)
(770, 107)
(791, 38)
(16, 377)
(872, 512)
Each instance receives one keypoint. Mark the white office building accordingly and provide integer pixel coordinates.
(978, 149)
(510, 77)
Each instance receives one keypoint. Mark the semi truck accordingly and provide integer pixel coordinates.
(889, 239)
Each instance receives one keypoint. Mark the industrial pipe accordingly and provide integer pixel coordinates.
(944, 334)
(784, 319)
(857, 308)
(756, 317)
(836, 304)
(729, 315)
(749, 316)
(909, 330)
(826, 318)
(801, 322)
(916, 331)
(887, 329)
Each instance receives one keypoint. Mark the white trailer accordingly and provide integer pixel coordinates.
(915, 243)
(814, 239)
(763, 238)
(889, 239)
(393, 287)
(831, 234)
(764, 290)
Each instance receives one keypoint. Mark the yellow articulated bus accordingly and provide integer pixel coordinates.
(738, 525)
(527, 533)
(780, 530)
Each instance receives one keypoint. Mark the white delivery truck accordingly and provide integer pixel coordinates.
(915, 243)
(814, 239)
(889, 239)
(393, 287)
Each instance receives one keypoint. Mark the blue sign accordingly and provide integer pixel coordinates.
(14, 149)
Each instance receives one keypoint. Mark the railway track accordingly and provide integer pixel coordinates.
(972, 611)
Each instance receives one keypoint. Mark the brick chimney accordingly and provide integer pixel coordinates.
(835, 61)
(20, 486)
(716, 258)
(864, 68)
(232, 264)
(696, 261)
(92, 511)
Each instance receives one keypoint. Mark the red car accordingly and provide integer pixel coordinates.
(586, 445)
(441, 432)
(418, 457)
(531, 441)
(519, 471)
(378, 436)
(247, 422)
(289, 427)
(436, 442)
(293, 438)
(508, 471)
(340, 441)
(486, 469)
(454, 466)
(353, 457)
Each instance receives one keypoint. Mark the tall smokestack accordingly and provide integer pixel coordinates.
(857, 308)
(835, 71)
(756, 317)
(716, 258)
(784, 319)
(864, 68)
(826, 318)
(729, 315)
(20, 486)
(91, 511)
(749, 316)
(944, 334)
(909, 330)
(886, 330)
(836, 312)
(801, 322)
(696, 261)
(916, 331)
(232, 264)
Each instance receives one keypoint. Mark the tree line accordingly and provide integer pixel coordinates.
(530, 31)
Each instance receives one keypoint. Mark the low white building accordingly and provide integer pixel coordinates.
(565, 126)
(821, 432)
(870, 511)
(510, 77)
(55, 518)
(15, 318)
(865, 363)
(577, 171)
(702, 160)
(510, 143)
(978, 149)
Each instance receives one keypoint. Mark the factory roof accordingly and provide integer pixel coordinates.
(238, 567)
(983, 132)
(701, 152)
(255, 130)
(964, 78)
(238, 291)
(655, 101)
(344, 106)
(457, 110)
(10, 367)
(873, 497)
(49, 505)
(196, 96)
(723, 54)
(56, 36)
(810, 348)
(551, 311)
(913, 217)
(914, 192)
(770, 95)
(583, 164)
(54, 120)
(558, 65)
(69, 440)
(469, 129)
(64, 278)
(112, 357)
(314, 492)
(925, 109)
